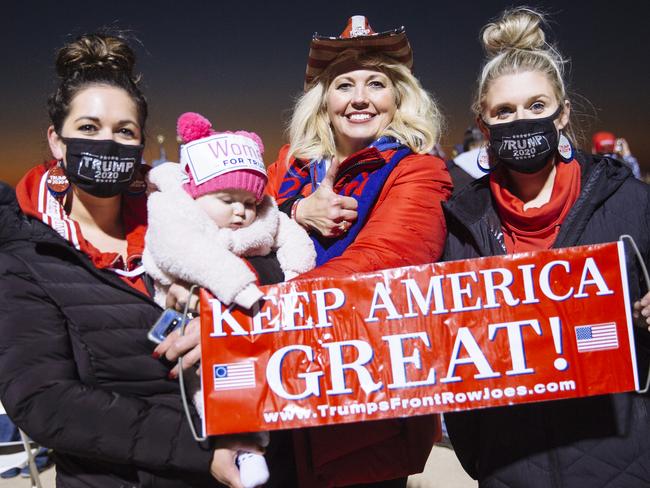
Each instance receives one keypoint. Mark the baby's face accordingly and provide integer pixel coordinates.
(234, 209)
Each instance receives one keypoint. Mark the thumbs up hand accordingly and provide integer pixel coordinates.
(324, 211)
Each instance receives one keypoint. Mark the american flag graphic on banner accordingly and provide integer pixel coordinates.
(596, 337)
(233, 376)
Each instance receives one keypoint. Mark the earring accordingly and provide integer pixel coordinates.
(483, 159)
(565, 148)
(57, 182)
(138, 184)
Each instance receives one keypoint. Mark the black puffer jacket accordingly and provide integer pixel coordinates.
(76, 368)
(590, 442)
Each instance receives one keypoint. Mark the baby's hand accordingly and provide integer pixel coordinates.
(249, 296)
(642, 310)
(253, 470)
(179, 294)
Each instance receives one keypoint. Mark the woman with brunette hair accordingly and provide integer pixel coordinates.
(77, 369)
(540, 197)
(357, 176)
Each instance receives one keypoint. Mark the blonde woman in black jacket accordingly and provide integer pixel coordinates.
(538, 197)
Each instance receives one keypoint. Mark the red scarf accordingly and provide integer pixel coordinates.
(535, 228)
(35, 200)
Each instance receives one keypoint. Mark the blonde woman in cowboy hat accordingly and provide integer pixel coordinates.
(357, 176)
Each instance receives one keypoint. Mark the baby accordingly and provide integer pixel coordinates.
(210, 212)
(210, 224)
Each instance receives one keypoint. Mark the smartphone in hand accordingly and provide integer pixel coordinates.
(169, 321)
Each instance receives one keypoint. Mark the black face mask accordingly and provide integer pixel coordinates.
(525, 145)
(101, 168)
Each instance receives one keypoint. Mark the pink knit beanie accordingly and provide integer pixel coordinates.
(216, 161)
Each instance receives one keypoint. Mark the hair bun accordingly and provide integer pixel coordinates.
(95, 52)
(518, 28)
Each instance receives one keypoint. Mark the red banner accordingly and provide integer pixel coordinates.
(409, 341)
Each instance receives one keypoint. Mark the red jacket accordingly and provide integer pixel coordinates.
(405, 227)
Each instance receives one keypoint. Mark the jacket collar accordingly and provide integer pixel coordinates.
(601, 177)
(35, 200)
(15, 225)
(473, 208)
(472, 202)
(371, 157)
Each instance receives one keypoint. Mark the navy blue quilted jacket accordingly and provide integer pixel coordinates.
(76, 368)
(594, 442)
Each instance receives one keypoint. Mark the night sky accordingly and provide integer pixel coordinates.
(242, 63)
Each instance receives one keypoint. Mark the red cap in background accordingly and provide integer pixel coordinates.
(603, 142)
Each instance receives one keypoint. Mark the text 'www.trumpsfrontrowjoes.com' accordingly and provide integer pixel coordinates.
(459, 400)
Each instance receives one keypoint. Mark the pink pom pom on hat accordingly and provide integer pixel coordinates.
(192, 127)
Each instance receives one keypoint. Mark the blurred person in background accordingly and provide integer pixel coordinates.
(607, 144)
(464, 168)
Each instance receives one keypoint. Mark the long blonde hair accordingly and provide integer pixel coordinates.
(516, 43)
(417, 121)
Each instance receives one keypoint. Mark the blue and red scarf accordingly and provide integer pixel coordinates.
(364, 186)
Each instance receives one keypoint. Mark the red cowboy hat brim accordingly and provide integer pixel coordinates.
(324, 50)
